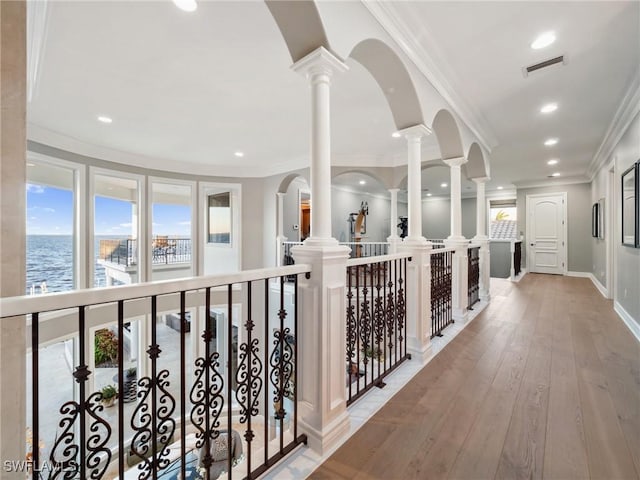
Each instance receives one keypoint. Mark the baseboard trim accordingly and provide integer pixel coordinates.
(520, 276)
(628, 320)
(603, 291)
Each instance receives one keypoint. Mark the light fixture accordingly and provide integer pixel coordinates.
(553, 161)
(186, 5)
(551, 142)
(500, 187)
(429, 194)
(239, 154)
(543, 40)
(549, 107)
(104, 119)
(556, 174)
(30, 165)
(444, 185)
(396, 135)
(362, 182)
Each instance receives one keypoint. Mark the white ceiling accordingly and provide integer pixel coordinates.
(481, 48)
(188, 90)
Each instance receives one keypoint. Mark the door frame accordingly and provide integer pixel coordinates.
(565, 230)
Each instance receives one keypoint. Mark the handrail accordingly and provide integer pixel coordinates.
(26, 304)
(352, 262)
(433, 251)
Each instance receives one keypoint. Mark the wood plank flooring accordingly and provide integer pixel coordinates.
(545, 383)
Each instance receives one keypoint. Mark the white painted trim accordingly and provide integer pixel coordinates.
(557, 182)
(579, 274)
(425, 62)
(37, 27)
(565, 233)
(628, 320)
(517, 279)
(596, 283)
(626, 112)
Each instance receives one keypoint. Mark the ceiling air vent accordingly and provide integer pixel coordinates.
(561, 60)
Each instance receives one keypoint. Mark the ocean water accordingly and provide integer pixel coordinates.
(50, 260)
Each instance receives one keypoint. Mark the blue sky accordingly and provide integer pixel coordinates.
(50, 212)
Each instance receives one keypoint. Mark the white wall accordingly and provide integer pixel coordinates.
(627, 295)
(436, 217)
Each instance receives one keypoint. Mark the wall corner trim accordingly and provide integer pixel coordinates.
(628, 320)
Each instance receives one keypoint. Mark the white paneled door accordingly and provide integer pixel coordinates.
(546, 233)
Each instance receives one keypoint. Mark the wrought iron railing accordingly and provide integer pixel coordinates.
(517, 257)
(213, 392)
(367, 249)
(436, 242)
(358, 250)
(376, 318)
(441, 288)
(164, 251)
(473, 270)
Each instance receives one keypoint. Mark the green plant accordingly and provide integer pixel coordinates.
(370, 352)
(131, 372)
(106, 346)
(109, 392)
(502, 215)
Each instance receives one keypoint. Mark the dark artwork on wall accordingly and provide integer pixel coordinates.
(594, 220)
(630, 186)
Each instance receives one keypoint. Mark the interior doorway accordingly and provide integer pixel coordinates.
(547, 233)
(305, 215)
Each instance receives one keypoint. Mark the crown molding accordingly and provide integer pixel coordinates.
(552, 183)
(427, 64)
(626, 112)
(37, 26)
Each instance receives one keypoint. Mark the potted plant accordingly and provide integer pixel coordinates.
(109, 395)
(131, 373)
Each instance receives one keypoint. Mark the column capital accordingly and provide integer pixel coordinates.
(479, 180)
(415, 132)
(455, 162)
(320, 61)
(391, 190)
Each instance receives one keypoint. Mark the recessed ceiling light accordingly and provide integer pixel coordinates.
(186, 5)
(549, 107)
(500, 187)
(239, 154)
(362, 182)
(30, 165)
(429, 194)
(556, 174)
(550, 142)
(553, 161)
(396, 135)
(105, 119)
(543, 40)
(444, 185)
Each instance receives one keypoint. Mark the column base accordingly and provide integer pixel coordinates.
(457, 241)
(320, 242)
(421, 353)
(415, 241)
(324, 440)
(460, 315)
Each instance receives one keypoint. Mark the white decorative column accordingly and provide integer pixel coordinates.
(460, 267)
(322, 396)
(13, 165)
(482, 239)
(393, 238)
(418, 284)
(280, 238)
(318, 67)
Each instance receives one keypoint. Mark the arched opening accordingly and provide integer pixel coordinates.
(448, 135)
(360, 208)
(476, 166)
(393, 78)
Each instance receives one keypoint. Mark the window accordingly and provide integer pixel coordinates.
(115, 231)
(219, 218)
(171, 230)
(50, 231)
(503, 216)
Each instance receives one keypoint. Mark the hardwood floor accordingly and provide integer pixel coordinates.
(545, 383)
